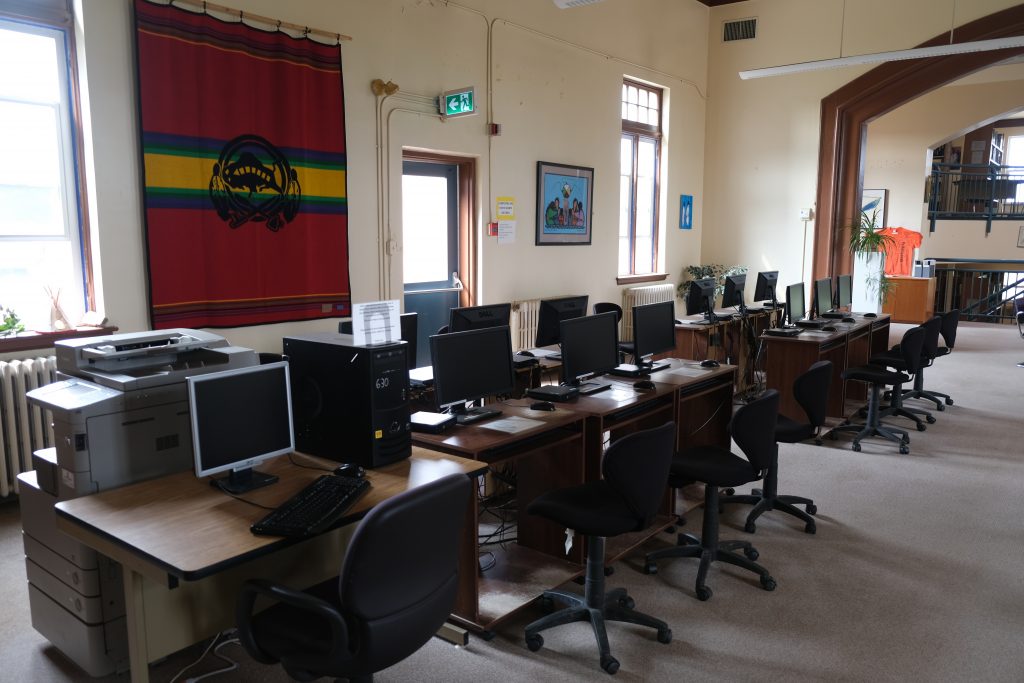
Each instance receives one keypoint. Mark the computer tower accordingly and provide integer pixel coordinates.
(350, 402)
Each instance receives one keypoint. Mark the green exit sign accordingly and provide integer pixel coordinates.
(461, 102)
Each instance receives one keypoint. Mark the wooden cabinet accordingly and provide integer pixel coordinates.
(912, 299)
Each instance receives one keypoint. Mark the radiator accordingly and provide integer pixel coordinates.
(523, 323)
(638, 296)
(24, 428)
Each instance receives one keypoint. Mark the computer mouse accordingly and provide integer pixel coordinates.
(542, 405)
(349, 469)
(828, 328)
(709, 363)
(849, 320)
(870, 315)
(525, 353)
(678, 321)
(643, 385)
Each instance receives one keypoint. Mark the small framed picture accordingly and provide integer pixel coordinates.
(565, 204)
(1020, 238)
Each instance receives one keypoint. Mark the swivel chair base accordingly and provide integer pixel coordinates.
(709, 549)
(763, 503)
(595, 606)
(873, 426)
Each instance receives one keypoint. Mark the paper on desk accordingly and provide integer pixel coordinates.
(376, 322)
(687, 371)
(513, 424)
(615, 394)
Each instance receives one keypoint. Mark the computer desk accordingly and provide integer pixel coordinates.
(786, 358)
(185, 547)
(722, 338)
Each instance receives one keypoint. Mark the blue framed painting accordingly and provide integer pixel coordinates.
(685, 211)
(565, 204)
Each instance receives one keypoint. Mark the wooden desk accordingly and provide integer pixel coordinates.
(724, 340)
(178, 529)
(912, 299)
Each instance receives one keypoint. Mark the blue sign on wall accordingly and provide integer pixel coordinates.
(685, 211)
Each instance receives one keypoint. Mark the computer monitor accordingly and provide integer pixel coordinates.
(240, 418)
(553, 311)
(822, 301)
(733, 296)
(471, 365)
(590, 346)
(796, 309)
(764, 289)
(700, 298)
(408, 323)
(844, 291)
(654, 331)
(479, 317)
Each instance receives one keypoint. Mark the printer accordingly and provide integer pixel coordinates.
(120, 415)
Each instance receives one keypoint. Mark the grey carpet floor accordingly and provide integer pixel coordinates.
(916, 572)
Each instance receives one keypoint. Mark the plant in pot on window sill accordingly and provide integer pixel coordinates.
(714, 270)
(10, 323)
(870, 286)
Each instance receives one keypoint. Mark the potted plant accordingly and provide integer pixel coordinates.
(10, 323)
(868, 244)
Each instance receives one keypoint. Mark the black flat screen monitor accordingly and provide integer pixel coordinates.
(700, 298)
(654, 330)
(239, 419)
(471, 365)
(844, 291)
(479, 317)
(590, 346)
(408, 323)
(764, 290)
(553, 311)
(795, 306)
(822, 302)
(733, 296)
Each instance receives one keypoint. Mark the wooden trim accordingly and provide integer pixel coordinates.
(846, 112)
(636, 279)
(32, 341)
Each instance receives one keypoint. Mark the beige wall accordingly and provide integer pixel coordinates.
(556, 96)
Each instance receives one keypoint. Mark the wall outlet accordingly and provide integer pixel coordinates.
(806, 214)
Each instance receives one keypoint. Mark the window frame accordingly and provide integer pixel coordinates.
(637, 131)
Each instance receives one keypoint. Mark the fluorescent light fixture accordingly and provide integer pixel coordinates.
(877, 57)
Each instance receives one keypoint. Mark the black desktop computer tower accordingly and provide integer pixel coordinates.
(350, 403)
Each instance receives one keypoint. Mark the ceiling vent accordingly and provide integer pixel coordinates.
(566, 4)
(742, 29)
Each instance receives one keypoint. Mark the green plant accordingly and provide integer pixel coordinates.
(10, 323)
(866, 238)
(699, 272)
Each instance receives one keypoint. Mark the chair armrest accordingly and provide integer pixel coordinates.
(253, 588)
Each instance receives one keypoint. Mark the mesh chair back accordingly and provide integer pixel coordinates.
(811, 391)
(636, 466)
(753, 430)
(607, 307)
(950, 321)
(911, 347)
(930, 347)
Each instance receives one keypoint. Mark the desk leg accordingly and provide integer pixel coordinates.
(135, 611)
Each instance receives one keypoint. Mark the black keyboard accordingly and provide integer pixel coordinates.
(313, 509)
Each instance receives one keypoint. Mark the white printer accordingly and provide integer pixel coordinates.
(120, 415)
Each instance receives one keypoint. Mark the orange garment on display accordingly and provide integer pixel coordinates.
(899, 252)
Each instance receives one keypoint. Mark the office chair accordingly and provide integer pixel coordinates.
(950, 321)
(397, 587)
(635, 469)
(811, 391)
(878, 377)
(753, 429)
(893, 359)
(625, 347)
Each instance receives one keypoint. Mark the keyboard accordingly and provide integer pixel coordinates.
(313, 509)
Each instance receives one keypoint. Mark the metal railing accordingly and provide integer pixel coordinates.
(975, 192)
(984, 291)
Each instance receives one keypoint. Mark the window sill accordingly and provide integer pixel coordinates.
(30, 341)
(635, 279)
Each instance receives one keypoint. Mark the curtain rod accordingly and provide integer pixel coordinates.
(305, 30)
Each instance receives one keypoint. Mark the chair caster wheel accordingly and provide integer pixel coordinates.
(750, 527)
(546, 603)
(729, 491)
(818, 442)
(949, 401)
(930, 419)
(650, 568)
(665, 636)
(704, 593)
(810, 528)
(904, 449)
(610, 664)
(856, 447)
(534, 642)
(940, 407)
(921, 426)
(751, 553)
(489, 636)
(767, 582)
(812, 509)
(831, 436)
(627, 602)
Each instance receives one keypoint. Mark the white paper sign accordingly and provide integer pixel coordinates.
(506, 232)
(376, 322)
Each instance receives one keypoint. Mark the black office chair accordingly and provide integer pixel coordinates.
(877, 377)
(753, 430)
(397, 587)
(625, 347)
(930, 352)
(635, 470)
(950, 322)
(893, 358)
(811, 391)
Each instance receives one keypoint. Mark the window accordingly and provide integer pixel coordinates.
(41, 257)
(639, 178)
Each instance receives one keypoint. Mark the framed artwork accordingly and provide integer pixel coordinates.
(1020, 238)
(876, 200)
(685, 211)
(565, 204)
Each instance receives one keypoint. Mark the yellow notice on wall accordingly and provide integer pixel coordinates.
(505, 208)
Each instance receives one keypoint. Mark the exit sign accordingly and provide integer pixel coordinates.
(461, 102)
